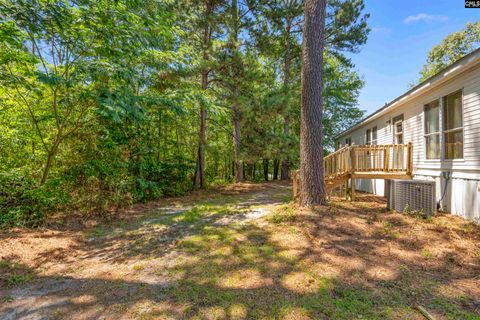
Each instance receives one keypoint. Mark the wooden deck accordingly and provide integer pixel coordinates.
(391, 161)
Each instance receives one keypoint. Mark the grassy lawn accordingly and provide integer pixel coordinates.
(246, 253)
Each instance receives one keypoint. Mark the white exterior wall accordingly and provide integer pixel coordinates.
(463, 190)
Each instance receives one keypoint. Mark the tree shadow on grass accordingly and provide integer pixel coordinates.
(158, 234)
(333, 264)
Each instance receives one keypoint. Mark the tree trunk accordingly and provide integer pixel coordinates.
(199, 181)
(312, 185)
(200, 172)
(276, 164)
(254, 171)
(237, 145)
(285, 169)
(248, 170)
(233, 39)
(265, 169)
(48, 166)
(225, 168)
(286, 87)
(51, 156)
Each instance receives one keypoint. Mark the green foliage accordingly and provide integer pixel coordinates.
(342, 88)
(451, 49)
(99, 100)
(24, 203)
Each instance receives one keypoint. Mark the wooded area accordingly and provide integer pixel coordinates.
(108, 103)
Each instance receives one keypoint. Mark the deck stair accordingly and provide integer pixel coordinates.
(342, 167)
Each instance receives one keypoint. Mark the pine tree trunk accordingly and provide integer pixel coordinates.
(276, 164)
(265, 169)
(234, 27)
(250, 171)
(285, 175)
(226, 168)
(312, 187)
(286, 87)
(237, 145)
(200, 171)
(199, 180)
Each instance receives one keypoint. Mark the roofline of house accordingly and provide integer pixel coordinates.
(444, 74)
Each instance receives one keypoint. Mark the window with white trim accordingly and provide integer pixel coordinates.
(398, 129)
(453, 125)
(398, 155)
(368, 139)
(432, 130)
(374, 135)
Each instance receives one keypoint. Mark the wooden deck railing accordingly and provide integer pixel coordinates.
(389, 158)
(338, 163)
(389, 161)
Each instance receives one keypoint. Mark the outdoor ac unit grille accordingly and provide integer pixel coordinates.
(415, 195)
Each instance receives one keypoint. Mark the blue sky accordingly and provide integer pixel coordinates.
(402, 34)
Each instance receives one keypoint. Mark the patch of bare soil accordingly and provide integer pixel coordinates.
(244, 252)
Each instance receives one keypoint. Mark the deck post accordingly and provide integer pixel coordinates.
(352, 189)
(353, 156)
(346, 189)
(385, 165)
(409, 159)
(352, 159)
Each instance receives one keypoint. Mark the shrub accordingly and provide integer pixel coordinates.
(23, 202)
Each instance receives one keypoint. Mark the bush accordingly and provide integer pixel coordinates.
(23, 202)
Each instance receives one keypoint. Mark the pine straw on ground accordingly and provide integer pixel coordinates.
(178, 259)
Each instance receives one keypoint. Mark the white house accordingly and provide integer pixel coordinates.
(441, 118)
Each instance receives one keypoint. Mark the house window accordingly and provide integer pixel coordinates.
(432, 130)
(374, 135)
(398, 154)
(368, 140)
(348, 141)
(398, 127)
(453, 125)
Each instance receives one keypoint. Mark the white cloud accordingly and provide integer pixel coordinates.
(424, 17)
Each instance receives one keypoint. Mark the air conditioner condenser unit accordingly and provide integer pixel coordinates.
(413, 195)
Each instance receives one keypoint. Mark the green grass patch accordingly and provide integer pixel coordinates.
(14, 273)
(427, 253)
(190, 216)
(17, 279)
(99, 231)
(283, 214)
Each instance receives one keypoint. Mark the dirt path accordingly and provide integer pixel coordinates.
(81, 274)
(245, 252)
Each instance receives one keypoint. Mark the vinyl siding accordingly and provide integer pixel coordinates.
(463, 193)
